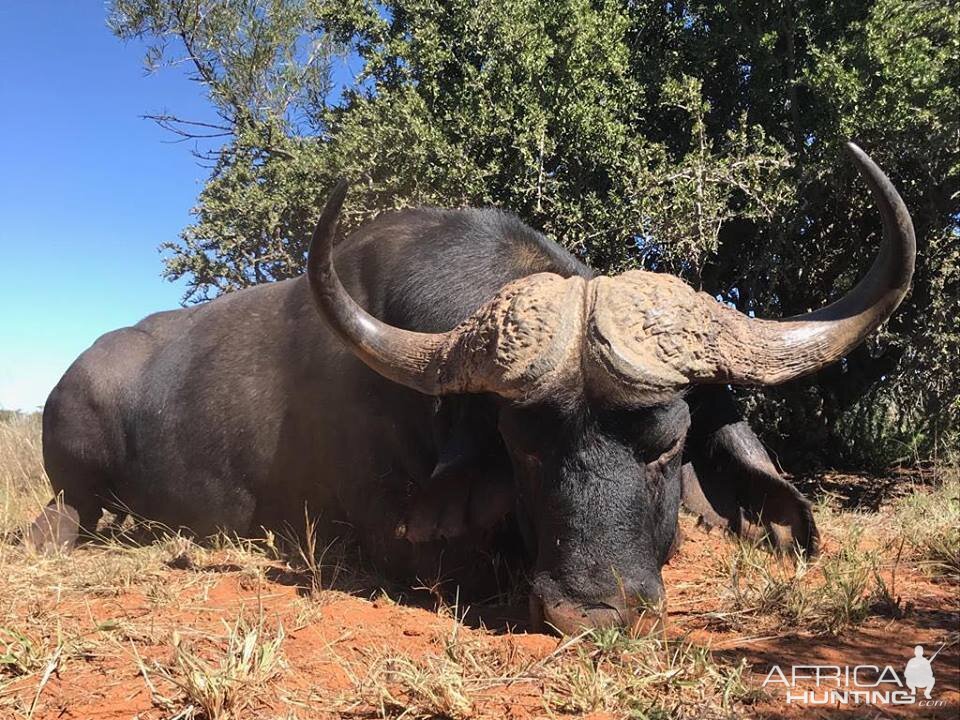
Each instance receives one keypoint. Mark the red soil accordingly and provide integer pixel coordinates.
(342, 634)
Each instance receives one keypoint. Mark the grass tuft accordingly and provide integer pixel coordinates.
(646, 677)
(401, 686)
(826, 597)
(930, 524)
(19, 654)
(225, 686)
(608, 670)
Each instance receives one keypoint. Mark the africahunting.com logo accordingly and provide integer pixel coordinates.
(858, 684)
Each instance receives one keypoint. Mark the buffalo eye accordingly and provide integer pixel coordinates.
(658, 456)
(671, 451)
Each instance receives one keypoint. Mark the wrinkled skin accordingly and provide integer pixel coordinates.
(239, 413)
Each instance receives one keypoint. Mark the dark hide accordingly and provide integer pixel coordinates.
(471, 487)
(247, 412)
(602, 488)
(240, 413)
(730, 481)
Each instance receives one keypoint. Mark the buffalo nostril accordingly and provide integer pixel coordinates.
(570, 617)
(636, 605)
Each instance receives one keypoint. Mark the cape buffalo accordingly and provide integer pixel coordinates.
(442, 374)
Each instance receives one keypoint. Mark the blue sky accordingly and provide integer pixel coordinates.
(88, 189)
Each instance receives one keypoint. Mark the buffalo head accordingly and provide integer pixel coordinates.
(590, 377)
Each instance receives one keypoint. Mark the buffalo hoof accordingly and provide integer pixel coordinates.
(57, 528)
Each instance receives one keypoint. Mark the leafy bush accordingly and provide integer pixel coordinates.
(702, 138)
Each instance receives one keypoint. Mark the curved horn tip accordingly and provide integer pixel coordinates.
(806, 343)
(853, 148)
(857, 154)
(340, 187)
(403, 356)
(872, 173)
(336, 196)
(321, 243)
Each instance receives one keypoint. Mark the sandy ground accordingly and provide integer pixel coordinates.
(334, 642)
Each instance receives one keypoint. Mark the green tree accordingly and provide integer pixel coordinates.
(701, 138)
(885, 73)
(266, 66)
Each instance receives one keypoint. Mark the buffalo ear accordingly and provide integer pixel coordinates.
(730, 481)
(471, 487)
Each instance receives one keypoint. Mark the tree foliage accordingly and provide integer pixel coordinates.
(702, 138)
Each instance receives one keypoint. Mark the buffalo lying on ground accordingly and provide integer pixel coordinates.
(442, 380)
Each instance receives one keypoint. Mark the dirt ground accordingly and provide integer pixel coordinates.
(332, 642)
(237, 629)
(931, 617)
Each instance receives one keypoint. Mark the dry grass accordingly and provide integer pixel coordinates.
(224, 686)
(930, 526)
(644, 676)
(647, 677)
(856, 575)
(19, 653)
(827, 596)
(56, 618)
(24, 487)
(401, 686)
